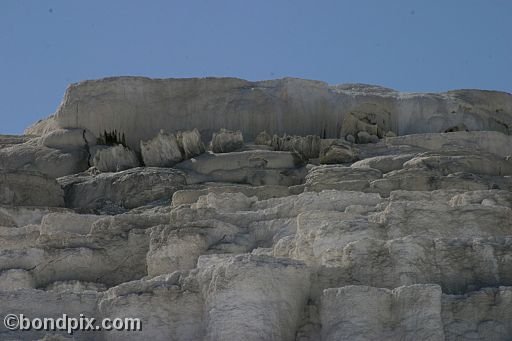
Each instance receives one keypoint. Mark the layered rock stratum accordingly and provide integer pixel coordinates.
(223, 209)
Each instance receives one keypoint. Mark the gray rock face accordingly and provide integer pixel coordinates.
(29, 189)
(170, 308)
(31, 156)
(274, 313)
(263, 139)
(226, 141)
(128, 189)
(484, 141)
(11, 140)
(366, 313)
(190, 142)
(249, 167)
(337, 151)
(19, 216)
(481, 315)
(161, 151)
(16, 279)
(290, 238)
(306, 146)
(364, 137)
(68, 139)
(114, 159)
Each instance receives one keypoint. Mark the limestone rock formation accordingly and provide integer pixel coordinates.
(129, 189)
(68, 139)
(141, 107)
(190, 142)
(336, 151)
(161, 151)
(52, 162)
(251, 167)
(306, 146)
(366, 313)
(226, 141)
(263, 139)
(364, 137)
(23, 188)
(307, 234)
(364, 124)
(114, 158)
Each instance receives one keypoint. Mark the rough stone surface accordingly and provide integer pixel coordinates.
(32, 156)
(337, 151)
(364, 137)
(131, 188)
(249, 167)
(225, 141)
(19, 216)
(140, 107)
(114, 159)
(306, 146)
(68, 139)
(29, 189)
(161, 151)
(366, 313)
(263, 139)
(266, 310)
(190, 142)
(408, 237)
(487, 141)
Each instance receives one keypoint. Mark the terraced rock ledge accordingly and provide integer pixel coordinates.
(347, 212)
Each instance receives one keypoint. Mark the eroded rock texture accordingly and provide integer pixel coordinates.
(338, 223)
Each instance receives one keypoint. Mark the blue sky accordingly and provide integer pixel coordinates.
(408, 45)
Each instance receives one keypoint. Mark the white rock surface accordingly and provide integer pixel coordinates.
(114, 159)
(29, 189)
(32, 156)
(367, 313)
(129, 189)
(68, 139)
(140, 107)
(411, 242)
(161, 151)
(264, 309)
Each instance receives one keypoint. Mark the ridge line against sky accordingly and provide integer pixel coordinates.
(409, 46)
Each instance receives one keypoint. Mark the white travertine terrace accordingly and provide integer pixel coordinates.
(348, 212)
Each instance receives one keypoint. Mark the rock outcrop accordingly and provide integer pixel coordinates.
(141, 107)
(161, 151)
(312, 235)
(128, 189)
(225, 141)
(190, 143)
(29, 189)
(336, 151)
(308, 147)
(113, 158)
(33, 157)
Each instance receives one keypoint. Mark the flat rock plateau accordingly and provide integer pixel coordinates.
(224, 209)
